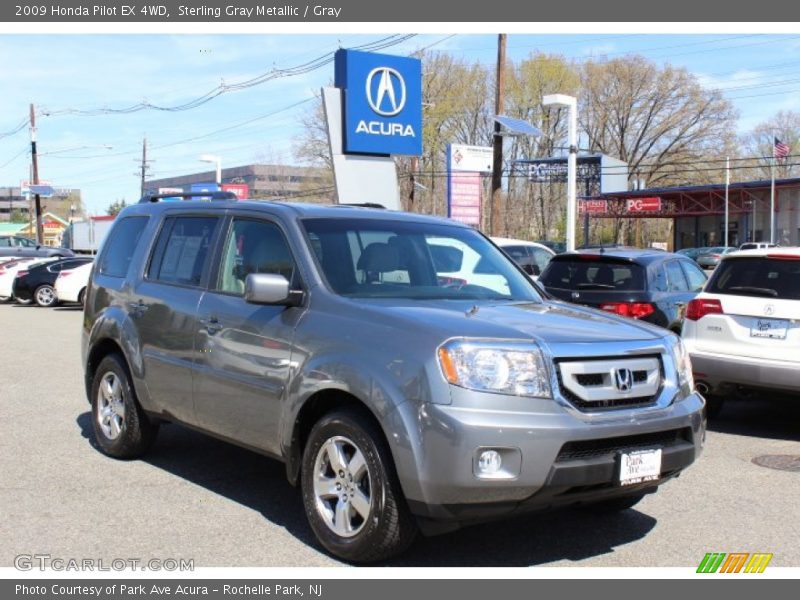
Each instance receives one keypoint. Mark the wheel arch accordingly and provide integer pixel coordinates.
(313, 409)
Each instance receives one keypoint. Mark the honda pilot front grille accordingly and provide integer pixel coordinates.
(610, 383)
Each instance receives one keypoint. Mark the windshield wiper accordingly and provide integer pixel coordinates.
(595, 286)
(756, 291)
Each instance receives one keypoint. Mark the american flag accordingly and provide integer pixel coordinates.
(781, 149)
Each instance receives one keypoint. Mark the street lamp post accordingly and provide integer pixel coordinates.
(214, 159)
(570, 103)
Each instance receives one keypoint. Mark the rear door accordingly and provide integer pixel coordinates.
(243, 351)
(760, 300)
(163, 308)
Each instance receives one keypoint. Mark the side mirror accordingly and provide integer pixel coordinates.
(270, 288)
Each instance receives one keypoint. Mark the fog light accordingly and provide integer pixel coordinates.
(489, 462)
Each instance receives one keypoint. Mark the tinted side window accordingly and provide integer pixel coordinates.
(253, 247)
(5, 242)
(182, 251)
(676, 281)
(695, 275)
(121, 245)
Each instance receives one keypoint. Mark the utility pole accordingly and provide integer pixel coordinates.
(496, 213)
(145, 166)
(35, 179)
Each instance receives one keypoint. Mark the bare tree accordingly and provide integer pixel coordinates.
(535, 210)
(758, 144)
(660, 121)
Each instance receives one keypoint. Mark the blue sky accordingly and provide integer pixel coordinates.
(63, 73)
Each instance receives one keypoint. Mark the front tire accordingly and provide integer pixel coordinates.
(351, 494)
(45, 296)
(121, 427)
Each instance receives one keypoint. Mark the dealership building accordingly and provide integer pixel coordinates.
(698, 211)
(264, 182)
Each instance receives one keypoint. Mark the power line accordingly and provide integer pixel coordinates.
(224, 88)
(25, 150)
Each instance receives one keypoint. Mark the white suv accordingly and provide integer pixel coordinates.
(744, 329)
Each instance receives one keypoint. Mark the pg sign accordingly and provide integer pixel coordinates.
(382, 102)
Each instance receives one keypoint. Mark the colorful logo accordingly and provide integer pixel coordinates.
(735, 562)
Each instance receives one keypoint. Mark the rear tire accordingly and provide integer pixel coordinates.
(351, 494)
(82, 298)
(121, 427)
(614, 505)
(45, 296)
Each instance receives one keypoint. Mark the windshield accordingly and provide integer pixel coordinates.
(367, 258)
(757, 276)
(584, 273)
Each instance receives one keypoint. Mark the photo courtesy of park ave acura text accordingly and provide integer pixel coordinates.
(367, 297)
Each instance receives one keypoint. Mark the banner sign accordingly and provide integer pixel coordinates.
(382, 102)
(464, 198)
(640, 205)
(592, 207)
(240, 189)
(476, 159)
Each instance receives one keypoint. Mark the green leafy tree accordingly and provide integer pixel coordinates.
(116, 207)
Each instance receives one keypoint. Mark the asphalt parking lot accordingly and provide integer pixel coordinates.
(198, 498)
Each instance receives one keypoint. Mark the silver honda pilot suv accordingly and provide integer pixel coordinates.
(410, 376)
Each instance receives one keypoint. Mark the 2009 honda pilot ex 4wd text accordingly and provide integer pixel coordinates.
(400, 399)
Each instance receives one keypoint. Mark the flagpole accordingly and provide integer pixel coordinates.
(727, 185)
(772, 196)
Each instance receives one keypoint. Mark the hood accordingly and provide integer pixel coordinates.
(551, 322)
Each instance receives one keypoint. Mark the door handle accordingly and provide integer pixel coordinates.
(211, 324)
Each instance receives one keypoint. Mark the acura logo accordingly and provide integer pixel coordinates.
(769, 309)
(388, 97)
(623, 379)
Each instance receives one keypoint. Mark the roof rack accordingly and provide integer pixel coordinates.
(362, 205)
(207, 196)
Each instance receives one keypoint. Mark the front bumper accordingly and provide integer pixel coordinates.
(722, 370)
(564, 458)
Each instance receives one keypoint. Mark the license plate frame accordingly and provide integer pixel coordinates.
(639, 466)
(769, 329)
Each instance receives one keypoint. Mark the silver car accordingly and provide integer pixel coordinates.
(400, 398)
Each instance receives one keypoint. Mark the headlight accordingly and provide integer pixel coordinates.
(500, 367)
(683, 364)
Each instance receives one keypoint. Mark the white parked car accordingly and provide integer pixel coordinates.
(8, 271)
(743, 330)
(71, 285)
(532, 257)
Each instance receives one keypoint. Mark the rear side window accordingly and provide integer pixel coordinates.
(759, 276)
(676, 282)
(182, 250)
(587, 274)
(694, 274)
(122, 243)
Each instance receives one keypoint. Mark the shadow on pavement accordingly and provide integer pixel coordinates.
(69, 308)
(259, 483)
(773, 417)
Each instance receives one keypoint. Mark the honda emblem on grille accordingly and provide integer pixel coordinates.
(623, 379)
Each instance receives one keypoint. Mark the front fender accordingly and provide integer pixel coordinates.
(374, 385)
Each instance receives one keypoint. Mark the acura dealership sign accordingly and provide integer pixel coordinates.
(382, 102)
